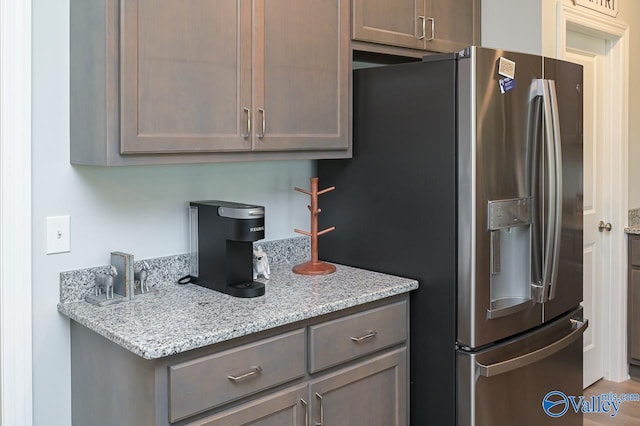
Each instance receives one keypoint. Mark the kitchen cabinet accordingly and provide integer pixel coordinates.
(434, 25)
(370, 393)
(286, 408)
(283, 376)
(157, 81)
(185, 75)
(210, 381)
(633, 309)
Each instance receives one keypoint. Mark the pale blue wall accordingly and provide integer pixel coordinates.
(140, 210)
(512, 25)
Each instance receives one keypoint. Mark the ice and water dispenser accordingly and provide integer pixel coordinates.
(509, 222)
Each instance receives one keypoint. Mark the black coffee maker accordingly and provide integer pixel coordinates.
(222, 236)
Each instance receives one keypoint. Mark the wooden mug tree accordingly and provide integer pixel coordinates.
(314, 266)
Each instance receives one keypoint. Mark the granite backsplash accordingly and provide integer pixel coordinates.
(75, 285)
(634, 217)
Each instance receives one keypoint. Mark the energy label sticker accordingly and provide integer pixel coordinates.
(507, 68)
(506, 84)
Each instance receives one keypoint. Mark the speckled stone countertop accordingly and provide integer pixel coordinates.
(632, 229)
(634, 222)
(175, 318)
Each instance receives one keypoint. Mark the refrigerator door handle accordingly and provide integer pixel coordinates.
(557, 141)
(550, 199)
(553, 160)
(578, 328)
(537, 273)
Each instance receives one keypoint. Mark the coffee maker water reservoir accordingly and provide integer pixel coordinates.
(222, 235)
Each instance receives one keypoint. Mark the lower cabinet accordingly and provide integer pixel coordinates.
(285, 408)
(371, 393)
(288, 376)
(633, 308)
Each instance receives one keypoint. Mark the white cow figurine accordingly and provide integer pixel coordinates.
(260, 263)
(141, 275)
(105, 282)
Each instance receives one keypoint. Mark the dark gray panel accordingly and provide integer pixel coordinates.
(394, 209)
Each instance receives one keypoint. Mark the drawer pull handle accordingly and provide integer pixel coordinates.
(306, 411)
(321, 423)
(248, 133)
(370, 334)
(264, 123)
(433, 29)
(424, 30)
(254, 371)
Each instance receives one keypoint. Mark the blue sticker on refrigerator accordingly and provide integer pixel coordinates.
(506, 84)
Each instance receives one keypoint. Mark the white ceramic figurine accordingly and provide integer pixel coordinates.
(260, 263)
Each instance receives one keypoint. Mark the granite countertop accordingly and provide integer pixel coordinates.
(176, 318)
(632, 229)
(634, 222)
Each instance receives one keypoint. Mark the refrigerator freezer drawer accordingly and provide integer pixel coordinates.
(506, 384)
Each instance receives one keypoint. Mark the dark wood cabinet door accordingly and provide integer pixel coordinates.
(634, 315)
(185, 75)
(301, 74)
(286, 408)
(434, 25)
(452, 25)
(371, 393)
(393, 22)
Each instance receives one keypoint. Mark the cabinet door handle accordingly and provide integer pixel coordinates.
(248, 123)
(433, 28)
(370, 334)
(424, 28)
(306, 411)
(254, 371)
(321, 410)
(264, 123)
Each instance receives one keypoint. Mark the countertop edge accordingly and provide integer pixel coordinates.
(632, 230)
(219, 336)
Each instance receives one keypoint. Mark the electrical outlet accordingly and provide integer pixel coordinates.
(58, 234)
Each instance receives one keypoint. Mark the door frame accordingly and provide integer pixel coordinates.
(616, 35)
(16, 405)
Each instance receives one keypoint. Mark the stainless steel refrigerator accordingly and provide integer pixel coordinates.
(467, 176)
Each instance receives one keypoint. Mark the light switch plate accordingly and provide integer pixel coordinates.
(58, 238)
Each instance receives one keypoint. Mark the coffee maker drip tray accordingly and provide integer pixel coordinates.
(246, 289)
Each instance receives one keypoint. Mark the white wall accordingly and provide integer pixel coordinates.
(139, 210)
(629, 13)
(530, 26)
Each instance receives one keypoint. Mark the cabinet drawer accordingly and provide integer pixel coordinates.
(350, 337)
(634, 251)
(210, 381)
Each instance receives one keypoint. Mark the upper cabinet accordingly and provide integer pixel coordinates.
(434, 25)
(301, 70)
(185, 76)
(159, 81)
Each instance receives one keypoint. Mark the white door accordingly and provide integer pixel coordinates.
(591, 52)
